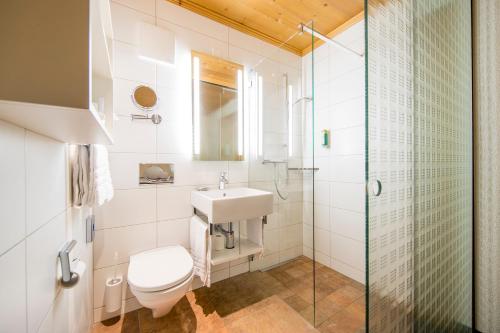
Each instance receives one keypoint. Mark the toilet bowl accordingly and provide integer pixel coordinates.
(159, 278)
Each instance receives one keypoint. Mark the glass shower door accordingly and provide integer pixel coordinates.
(419, 166)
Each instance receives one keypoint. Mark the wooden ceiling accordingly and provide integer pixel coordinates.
(274, 21)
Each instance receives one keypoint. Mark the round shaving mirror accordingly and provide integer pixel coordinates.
(144, 98)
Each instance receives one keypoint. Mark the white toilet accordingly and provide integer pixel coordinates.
(159, 278)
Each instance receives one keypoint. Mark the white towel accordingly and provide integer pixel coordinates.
(100, 184)
(92, 185)
(201, 249)
(80, 176)
(255, 233)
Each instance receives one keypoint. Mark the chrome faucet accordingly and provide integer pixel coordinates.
(223, 180)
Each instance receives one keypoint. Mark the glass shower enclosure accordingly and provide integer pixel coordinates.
(416, 151)
(309, 245)
(419, 166)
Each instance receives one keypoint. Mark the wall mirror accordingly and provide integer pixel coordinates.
(144, 98)
(217, 108)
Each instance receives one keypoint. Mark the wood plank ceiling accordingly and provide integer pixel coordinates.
(274, 21)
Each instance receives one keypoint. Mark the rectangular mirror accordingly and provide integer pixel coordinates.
(217, 108)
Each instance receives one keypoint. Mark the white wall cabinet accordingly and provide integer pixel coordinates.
(56, 68)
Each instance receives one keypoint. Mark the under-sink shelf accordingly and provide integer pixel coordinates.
(242, 248)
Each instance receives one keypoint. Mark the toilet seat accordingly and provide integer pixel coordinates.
(160, 269)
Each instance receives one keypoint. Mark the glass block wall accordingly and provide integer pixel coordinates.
(390, 160)
(443, 165)
(487, 163)
(419, 146)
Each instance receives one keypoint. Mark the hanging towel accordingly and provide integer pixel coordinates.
(92, 185)
(255, 234)
(80, 176)
(100, 184)
(201, 250)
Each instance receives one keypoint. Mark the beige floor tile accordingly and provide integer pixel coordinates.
(278, 300)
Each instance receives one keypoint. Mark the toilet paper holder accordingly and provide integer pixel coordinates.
(69, 278)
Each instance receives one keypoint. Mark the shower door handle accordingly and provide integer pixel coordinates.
(374, 187)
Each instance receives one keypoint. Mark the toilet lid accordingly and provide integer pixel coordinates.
(160, 268)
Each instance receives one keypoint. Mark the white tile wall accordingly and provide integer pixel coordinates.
(45, 180)
(36, 222)
(124, 241)
(128, 207)
(339, 187)
(42, 249)
(174, 232)
(13, 290)
(12, 178)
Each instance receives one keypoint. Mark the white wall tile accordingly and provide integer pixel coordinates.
(266, 261)
(126, 23)
(13, 290)
(219, 275)
(124, 168)
(239, 269)
(349, 113)
(12, 190)
(174, 105)
(307, 234)
(174, 203)
(344, 62)
(322, 258)
(290, 236)
(174, 232)
(322, 193)
(125, 241)
(58, 318)
(127, 64)
(42, 249)
(322, 241)
(246, 42)
(322, 217)
(348, 141)
(290, 253)
(238, 172)
(174, 137)
(353, 273)
(347, 168)
(45, 179)
(133, 136)
(348, 196)
(128, 207)
(145, 6)
(271, 241)
(347, 86)
(174, 14)
(247, 57)
(353, 33)
(348, 251)
(348, 223)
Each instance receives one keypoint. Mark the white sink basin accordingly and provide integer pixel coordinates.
(232, 204)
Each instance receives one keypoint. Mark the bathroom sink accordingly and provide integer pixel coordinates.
(232, 204)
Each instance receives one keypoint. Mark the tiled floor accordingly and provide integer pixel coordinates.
(260, 302)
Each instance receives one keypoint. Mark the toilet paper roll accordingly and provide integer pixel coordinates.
(113, 294)
(218, 242)
(79, 268)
